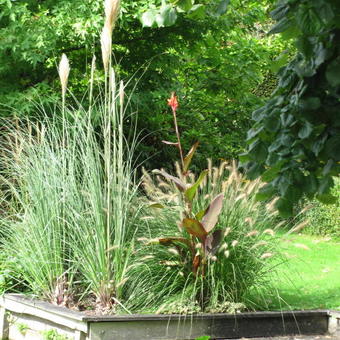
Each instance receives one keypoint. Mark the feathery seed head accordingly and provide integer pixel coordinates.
(106, 46)
(64, 71)
(266, 255)
(112, 8)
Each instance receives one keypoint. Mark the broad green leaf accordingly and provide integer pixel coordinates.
(284, 207)
(325, 12)
(258, 150)
(265, 193)
(325, 184)
(333, 73)
(258, 114)
(310, 184)
(254, 170)
(188, 157)
(272, 124)
(308, 20)
(191, 191)
(306, 130)
(210, 217)
(293, 193)
(279, 62)
(328, 167)
(281, 26)
(168, 14)
(283, 181)
(185, 5)
(319, 144)
(222, 7)
(148, 18)
(179, 184)
(275, 145)
(197, 12)
(254, 132)
(160, 22)
(287, 119)
(279, 12)
(244, 157)
(272, 172)
(194, 227)
(311, 103)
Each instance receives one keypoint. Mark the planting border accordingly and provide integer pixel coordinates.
(41, 316)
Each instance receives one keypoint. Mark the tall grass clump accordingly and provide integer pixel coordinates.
(241, 259)
(206, 243)
(73, 195)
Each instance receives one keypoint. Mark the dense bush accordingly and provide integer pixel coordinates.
(324, 219)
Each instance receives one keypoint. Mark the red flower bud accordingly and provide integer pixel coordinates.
(173, 102)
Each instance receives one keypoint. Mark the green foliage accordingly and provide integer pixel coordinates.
(295, 139)
(239, 264)
(214, 62)
(53, 334)
(71, 190)
(324, 219)
(22, 328)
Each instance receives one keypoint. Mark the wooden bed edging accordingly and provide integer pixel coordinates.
(41, 316)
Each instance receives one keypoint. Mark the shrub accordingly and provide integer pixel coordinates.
(241, 262)
(325, 218)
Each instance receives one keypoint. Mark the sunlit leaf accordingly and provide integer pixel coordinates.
(168, 14)
(194, 227)
(210, 217)
(200, 214)
(148, 18)
(190, 192)
(188, 157)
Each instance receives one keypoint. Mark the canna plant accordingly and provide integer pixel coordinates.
(200, 237)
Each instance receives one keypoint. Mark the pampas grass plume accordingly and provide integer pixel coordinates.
(64, 71)
(112, 8)
(106, 44)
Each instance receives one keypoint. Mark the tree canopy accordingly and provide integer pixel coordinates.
(294, 143)
(216, 57)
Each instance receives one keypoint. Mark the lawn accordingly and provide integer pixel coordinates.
(310, 279)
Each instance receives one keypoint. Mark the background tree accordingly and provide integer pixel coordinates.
(294, 144)
(214, 54)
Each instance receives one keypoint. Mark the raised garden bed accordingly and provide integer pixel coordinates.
(24, 318)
